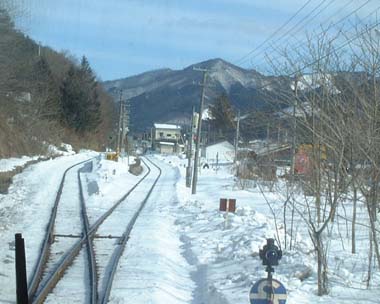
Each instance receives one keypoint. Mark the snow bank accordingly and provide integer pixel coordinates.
(62, 150)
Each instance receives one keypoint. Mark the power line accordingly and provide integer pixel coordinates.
(298, 71)
(274, 33)
(292, 28)
(306, 19)
(361, 6)
(300, 23)
(301, 43)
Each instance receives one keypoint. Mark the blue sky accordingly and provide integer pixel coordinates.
(127, 37)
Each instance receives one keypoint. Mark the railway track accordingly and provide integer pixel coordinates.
(46, 248)
(125, 210)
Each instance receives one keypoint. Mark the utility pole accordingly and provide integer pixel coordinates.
(151, 139)
(120, 121)
(237, 144)
(197, 144)
(237, 136)
(122, 141)
(125, 127)
(190, 151)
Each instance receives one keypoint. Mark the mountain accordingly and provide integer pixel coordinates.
(168, 95)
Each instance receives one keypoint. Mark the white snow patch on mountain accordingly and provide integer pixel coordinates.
(314, 81)
(227, 76)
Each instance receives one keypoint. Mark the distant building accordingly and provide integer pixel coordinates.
(167, 138)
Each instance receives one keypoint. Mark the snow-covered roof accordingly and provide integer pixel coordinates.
(224, 144)
(166, 143)
(167, 126)
(206, 114)
(271, 148)
(222, 152)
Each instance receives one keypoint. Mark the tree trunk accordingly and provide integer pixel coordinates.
(353, 229)
(322, 265)
(369, 273)
(373, 232)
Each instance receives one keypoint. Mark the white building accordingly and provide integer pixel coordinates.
(167, 138)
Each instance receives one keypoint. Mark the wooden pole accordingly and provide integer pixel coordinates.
(197, 145)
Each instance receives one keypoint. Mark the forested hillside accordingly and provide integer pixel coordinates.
(47, 97)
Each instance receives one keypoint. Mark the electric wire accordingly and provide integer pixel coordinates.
(274, 33)
(264, 55)
(302, 43)
(301, 23)
(300, 70)
(305, 66)
(292, 28)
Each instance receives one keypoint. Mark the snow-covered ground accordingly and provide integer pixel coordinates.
(227, 258)
(182, 250)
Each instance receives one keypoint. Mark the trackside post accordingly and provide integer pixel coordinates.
(228, 206)
(21, 280)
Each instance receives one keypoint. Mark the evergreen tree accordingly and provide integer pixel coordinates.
(80, 101)
(93, 116)
(223, 116)
(45, 91)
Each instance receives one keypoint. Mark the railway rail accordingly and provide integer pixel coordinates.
(48, 239)
(39, 291)
(123, 241)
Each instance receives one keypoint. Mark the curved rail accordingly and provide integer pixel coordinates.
(45, 249)
(124, 238)
(69, 257)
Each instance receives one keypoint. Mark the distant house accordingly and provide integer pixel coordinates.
(223, 152)
(167, 138)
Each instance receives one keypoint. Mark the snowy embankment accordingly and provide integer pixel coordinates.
(227, 258)
(8, 164)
